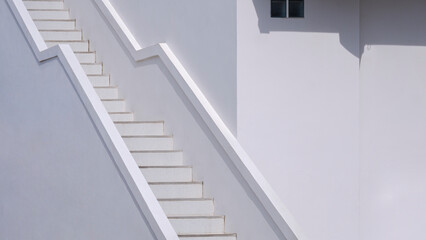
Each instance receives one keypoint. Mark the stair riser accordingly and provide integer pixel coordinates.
(209, 238)
(188, 208)
(121, 116)
(55, 25)
(50, 15)
(134, 129)
(149, 143)
(86, 57)
(99, 81)
(44, 4)
(61, 35)
(167, 174)
(75, 46)
(193, 190)
(92, 69)
(114, 106)
(158, 158)
(107, 93)
(199, 225)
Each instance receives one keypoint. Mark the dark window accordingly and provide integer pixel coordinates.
(296, 8)
(287, 8)
(278, 8)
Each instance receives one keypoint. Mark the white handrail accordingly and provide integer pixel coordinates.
(266, 196)
(139, 189)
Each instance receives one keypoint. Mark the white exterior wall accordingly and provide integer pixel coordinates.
(298, 109)
(57, 179)
(203, 36)
(152, 94)
(393, 120)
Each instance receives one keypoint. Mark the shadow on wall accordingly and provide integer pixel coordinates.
(393, 22)
(329, 16)
(381, 22)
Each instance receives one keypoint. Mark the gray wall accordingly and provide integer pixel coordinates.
(298, 109)
(393, 119)
(57, 180)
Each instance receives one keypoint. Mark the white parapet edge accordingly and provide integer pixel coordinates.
(266, 196)
(139, 189)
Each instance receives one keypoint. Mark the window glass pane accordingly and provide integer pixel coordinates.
(278, 8)
(296, 8)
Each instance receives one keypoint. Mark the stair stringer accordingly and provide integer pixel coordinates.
(276, 213)
(138, 187)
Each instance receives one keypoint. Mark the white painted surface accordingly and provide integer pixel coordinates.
(78, 46)
(50, 14)
(167, 174)
(188, 207)
(99, 80)
(54, 35)
(86, 57)
(115, 105)
(146, 143)
(198, 225)
(393, 120)
(136, 185)
(154, 94)
(57, 179)
(177, 190)
(158, 158)
(204, 40)
(140, 128)
(53, 25)
(298, 110)
(92, 68)
(121, 116)
(44, 4)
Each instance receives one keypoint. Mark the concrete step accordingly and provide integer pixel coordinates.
(187, 207)
(136, 128)
(55, 24)
(49, 14)
(121, 116)
(198, 225)
(107, 92)
(44, 4)
(86, 57)
(208, 236)
(167, 174)
(76, 46)
(143, 143)
(114, 105)
(158, 158)
(92, 68)
(99, 80)
(61, 35)
(177, 189)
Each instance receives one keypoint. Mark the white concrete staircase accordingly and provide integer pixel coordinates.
(190, 213)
